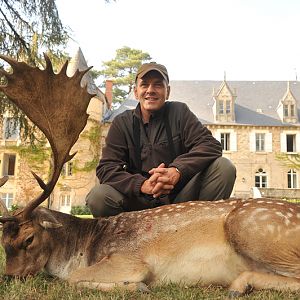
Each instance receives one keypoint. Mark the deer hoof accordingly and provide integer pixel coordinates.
(234, 294)
(142, 287)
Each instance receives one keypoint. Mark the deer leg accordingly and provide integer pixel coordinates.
(248, 280)
(115, 271)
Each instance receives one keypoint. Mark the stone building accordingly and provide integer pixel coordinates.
(78, 175)
(257, 122)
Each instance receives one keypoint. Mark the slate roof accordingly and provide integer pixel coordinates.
(256, 102)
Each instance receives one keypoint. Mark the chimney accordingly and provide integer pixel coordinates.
(109, 92)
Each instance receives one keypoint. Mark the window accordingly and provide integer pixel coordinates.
(260, 178)
(7, 199)
(225, 141)
(65, 200)
(10, 129)
(221, 107)
(228, 107)
(291, 142)
(292, 179)
(67, 169)
(285, 110)
(260, 141)
(292, 110)
(9, 164)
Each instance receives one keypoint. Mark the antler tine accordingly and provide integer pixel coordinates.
(3, 180)
(57, 104)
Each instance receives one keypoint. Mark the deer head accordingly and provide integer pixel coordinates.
(57, 104)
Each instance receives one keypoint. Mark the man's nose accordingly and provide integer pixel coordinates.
(150, 88)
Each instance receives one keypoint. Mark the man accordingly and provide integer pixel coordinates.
(158, 153)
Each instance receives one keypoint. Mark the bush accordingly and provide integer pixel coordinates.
(80, 210)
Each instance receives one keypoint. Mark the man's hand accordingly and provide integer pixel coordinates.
(162, 181)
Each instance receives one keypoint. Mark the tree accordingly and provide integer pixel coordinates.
(26, 24)
(122, 70)
(290, 160)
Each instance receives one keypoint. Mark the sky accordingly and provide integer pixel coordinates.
(194, 39)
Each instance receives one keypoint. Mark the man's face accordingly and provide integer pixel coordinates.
(152, 91)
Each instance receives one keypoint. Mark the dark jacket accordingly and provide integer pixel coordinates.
(195, 148)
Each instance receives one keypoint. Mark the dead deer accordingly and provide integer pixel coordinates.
(234, 243)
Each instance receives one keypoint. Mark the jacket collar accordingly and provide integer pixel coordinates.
(156, 114)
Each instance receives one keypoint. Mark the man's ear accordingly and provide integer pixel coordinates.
(168, 92)
(135, 93)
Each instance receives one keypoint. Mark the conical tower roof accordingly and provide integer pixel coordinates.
(78, 62)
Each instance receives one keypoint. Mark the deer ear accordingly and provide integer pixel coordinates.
(49, 225)
(46, 219)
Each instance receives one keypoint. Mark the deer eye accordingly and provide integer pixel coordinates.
(27, 241)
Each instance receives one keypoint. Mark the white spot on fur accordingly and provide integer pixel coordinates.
(264, 217)
(280, 214)
(258, 210)
(179, 206)
(270, 228)
(279, 203)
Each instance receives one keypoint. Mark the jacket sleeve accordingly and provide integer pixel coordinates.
(201, 148)
(111, 168)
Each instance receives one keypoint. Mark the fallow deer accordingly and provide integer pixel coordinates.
(234, 243)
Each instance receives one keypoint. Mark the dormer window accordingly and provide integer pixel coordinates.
(223, 108)
(287, 109)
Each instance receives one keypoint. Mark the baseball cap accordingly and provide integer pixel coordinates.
(152, 66)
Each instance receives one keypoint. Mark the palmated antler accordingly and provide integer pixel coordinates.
(56, 103)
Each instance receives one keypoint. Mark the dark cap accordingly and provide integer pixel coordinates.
(152, 66)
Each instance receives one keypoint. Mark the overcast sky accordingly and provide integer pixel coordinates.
(195, 39)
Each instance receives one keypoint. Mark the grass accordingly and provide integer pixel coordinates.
(44, 287)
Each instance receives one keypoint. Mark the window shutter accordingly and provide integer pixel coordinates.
(233, 141)
(282, 142)
(218, 136)
(269, 142)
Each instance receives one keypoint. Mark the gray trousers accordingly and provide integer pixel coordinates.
(215, 183)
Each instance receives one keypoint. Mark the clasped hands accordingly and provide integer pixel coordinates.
(161, 181)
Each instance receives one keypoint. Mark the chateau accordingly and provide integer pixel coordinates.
(257, 123)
